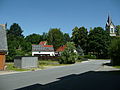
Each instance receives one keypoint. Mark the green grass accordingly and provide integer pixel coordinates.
(10, 67)
(117, 67)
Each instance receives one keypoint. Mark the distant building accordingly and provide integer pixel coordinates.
(3, 45)
(42, 49)
(60, 50)
(110, 27)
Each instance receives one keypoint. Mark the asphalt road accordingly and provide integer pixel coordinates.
(81, 76)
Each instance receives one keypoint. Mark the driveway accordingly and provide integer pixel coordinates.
(81, 76)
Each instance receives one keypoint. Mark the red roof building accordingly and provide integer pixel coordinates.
(43, 43)
(61, 48)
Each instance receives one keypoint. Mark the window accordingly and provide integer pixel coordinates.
(112, 30)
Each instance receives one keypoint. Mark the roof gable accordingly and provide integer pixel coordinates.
(61, 48)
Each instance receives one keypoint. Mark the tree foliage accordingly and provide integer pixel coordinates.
(114, 51)
(55, 38)
(68, 56)
(99, 41)
(34, 38)
(66, 38)
(118, 30)
(16, 42)
(79, 37)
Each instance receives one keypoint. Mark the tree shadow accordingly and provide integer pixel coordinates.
(92, 80)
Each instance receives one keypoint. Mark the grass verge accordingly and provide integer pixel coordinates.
(10, 67)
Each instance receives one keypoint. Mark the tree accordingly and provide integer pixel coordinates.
(34, 38)
(68, 56)
(55, 38)
(99, 41)
(66, 38)
(118, 29)
(114, 51)
(44, 36)
(80, 51)
(79, 37)
(16, 43)
(15, 30)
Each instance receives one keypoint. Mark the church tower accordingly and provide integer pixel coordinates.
(110, 27)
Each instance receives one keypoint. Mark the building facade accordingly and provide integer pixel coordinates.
(43, 50)
(3, 46)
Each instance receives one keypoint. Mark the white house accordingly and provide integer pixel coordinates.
(43, 50)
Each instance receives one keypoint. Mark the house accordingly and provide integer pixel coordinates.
(60, 50)
(110, 27)
(42, 49)
(3, 46)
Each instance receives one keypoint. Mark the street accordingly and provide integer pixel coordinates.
(80, 76)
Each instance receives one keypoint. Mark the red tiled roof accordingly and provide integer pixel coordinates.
(47, 45)
(43, 43)
(61, 48)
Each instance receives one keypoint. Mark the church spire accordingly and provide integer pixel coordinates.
(110, 27)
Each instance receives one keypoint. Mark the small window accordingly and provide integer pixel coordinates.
(111, 30)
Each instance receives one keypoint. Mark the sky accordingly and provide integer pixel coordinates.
(38, 16)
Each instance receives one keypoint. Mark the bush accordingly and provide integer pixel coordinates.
(68, 56)
(90, 56)
(114, 52)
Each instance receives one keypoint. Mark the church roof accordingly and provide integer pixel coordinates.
(3, 39)
(109, 21)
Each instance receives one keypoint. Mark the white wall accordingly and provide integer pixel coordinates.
(37, 52)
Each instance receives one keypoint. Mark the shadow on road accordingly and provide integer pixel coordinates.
(92, 80)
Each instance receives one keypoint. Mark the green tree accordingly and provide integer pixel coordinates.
(55, 38)
(44, 36)
(118, 29)
(16, 43)
(99, 41)
(15, 30)
(68, 56)
(79, 37)
(34, 38)
(66, 38)
(114, 51)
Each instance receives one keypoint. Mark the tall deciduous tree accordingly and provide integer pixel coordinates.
(55, 37)
(66, 38)
(99, 41)
(16, 42)
(34, 38)
(15, 30)
(79, 37)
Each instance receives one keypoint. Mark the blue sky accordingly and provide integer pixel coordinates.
(38, 16)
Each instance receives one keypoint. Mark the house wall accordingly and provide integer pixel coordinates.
(51, 53)
(2, 61)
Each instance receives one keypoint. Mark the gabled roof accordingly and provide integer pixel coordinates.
(3, 38)
(44, 48)
(43, 43)
(109, 21)
(61, 48)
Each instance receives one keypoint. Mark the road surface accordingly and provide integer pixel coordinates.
(80, 76)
